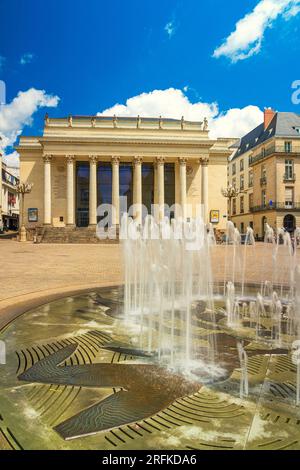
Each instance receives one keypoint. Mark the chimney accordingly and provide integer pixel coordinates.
(269, 113)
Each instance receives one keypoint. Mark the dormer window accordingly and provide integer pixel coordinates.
(287, 147)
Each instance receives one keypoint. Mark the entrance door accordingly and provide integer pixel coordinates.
(170, 186)
(263, 226)
(82, 194)
(147, 186)
(289, 223)
(126, 185)
(104, 192)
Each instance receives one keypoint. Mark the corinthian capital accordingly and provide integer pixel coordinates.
(70, 158)
(160, 160)
(115, 160)
(137, 160)
(47, 158)
(182, 161)
(203, 161)
(93, 159)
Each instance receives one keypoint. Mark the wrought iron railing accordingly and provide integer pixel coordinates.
(279, 206)
(274, 149)
(263, 180)
(291, 178)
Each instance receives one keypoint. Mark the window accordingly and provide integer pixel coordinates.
(242, 204)
(289, 197)
(242, 165)
(11, 199)
(251, 224)
(287, 147)
(263, 178)
(242, 182)
(234, 182)
(234, 206)
(250, 201)
(242, 227)
(263, 198)
(250, 182)
(233, 169)
(289, 170)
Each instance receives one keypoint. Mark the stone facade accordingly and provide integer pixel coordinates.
(266, 171)
(9, 199)
(80, 162)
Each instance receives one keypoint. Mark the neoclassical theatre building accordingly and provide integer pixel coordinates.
(81, 162)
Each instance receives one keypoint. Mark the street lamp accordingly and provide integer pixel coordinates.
(22, 189)
(231, 192)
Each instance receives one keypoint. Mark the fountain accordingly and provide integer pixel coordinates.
(167, 268)
(170, 292)
(199, 334)
(243, 358)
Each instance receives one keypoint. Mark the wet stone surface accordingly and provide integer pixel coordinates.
(77, 378)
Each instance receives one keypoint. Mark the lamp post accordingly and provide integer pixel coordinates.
(22, 189)
(231, 193)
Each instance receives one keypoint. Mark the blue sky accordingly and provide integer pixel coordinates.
(93, 54)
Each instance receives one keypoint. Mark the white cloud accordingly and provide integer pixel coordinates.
(168, 103)
(247, 38)
(26, 58)
(173, 103)
(12, 160)
(170, 29)
(236, 122)
(17, 114)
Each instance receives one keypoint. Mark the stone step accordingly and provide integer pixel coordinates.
(73, 235)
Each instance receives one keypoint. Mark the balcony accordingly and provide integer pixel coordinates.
(263, 181)
(289, 178)
(274, 149)
(277, 206)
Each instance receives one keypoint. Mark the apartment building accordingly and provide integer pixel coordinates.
(9, 198)
(265, 170)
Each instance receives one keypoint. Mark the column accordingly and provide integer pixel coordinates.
(115, 190)
(93, 190)
(160, 161)
(47, 189)
(137, 188)
(70, 190)
(155, 199)
(204, 187)
(182, 184)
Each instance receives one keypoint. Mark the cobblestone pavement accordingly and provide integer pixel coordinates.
(29, 268)
(214, 417)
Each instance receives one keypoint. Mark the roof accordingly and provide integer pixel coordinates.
(282, 125)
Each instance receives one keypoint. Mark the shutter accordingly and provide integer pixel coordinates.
(289, 194)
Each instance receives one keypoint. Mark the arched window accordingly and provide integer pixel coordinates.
(289, 223)
(263, 225)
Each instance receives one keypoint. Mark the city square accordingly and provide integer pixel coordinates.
(150, 242)
(67, 309)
